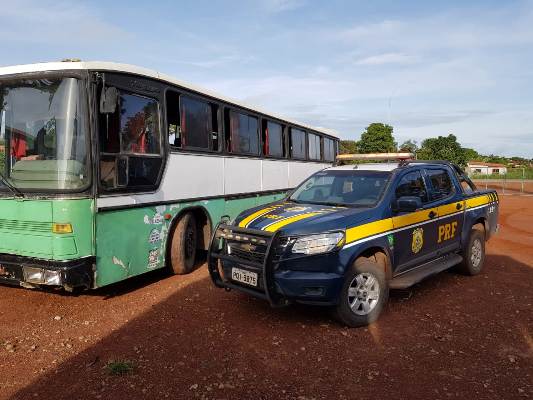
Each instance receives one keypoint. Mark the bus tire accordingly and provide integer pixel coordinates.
(183, 245)
(474, 252)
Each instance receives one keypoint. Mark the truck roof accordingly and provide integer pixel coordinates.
(385, 166)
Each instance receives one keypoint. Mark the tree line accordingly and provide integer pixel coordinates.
(378, 138)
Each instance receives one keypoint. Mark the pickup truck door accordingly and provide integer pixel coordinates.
(447, 196)
(414, 240)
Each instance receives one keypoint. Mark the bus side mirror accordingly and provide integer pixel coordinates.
(408, 204)
(122, 171)
(108, 100)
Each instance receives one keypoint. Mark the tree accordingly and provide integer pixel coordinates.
(377, 138)
(409, 146)
(348, 147)
(471, 154)
(443, 148)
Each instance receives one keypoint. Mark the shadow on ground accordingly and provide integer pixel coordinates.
(447, 337)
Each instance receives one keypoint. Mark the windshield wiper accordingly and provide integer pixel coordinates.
(328, 203)
(16, 191)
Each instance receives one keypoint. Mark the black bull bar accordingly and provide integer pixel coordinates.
(251, 239)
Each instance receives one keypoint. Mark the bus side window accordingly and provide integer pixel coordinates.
(215, 132)
(272, 139)
(314, 147)
(244, 133)
(329, 150)
(173, 118)
(297, 140)
(132, 131)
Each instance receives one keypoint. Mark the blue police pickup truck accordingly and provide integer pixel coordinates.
(349, 233)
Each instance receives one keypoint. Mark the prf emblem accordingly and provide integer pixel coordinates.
(418, 240)
(447, 231)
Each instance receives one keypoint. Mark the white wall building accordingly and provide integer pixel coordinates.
(485, 168)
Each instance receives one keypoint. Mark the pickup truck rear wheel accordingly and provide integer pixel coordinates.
(364, 293)
(474, 253)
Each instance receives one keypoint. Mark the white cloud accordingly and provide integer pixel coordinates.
(458, 29)
(387, 58)
(277, 6)
(55, 24)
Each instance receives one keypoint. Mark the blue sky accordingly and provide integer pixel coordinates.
(427, 68)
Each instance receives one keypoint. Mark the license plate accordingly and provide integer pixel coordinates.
(241, 275)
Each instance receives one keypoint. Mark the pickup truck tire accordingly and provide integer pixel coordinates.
(474, 252)
(364, 293)
(183, 245)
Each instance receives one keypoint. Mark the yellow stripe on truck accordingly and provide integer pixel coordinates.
(451, 208)
(255, 215)
(370, 229)
(477, 201)
(389, 224)
(413, 218)
(280, 224)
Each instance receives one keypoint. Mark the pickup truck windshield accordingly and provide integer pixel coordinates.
(43, 143)
(343, 187)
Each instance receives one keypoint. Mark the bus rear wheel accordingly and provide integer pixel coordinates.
(183, 245)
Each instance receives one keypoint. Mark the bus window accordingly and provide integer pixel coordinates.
(314, 146)
(215, 133)
(329, 150)
(133, 130)
(273, 143)
(297, 143)
(173, 118)
(139, 125)
(195, 123)
(244, 133)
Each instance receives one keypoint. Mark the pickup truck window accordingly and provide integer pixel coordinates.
(440, 182)
(412, 184)
(344, 188)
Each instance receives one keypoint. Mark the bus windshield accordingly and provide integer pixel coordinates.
(43, 142)
(342, 187)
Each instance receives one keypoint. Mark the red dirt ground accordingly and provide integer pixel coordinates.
(449, 337)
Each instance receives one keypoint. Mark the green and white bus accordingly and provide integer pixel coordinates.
(109, 171)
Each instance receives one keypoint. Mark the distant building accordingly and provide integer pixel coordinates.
(485, 168)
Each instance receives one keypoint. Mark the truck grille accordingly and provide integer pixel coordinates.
(239, 251)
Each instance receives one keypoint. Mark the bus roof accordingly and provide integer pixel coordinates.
(132, 69)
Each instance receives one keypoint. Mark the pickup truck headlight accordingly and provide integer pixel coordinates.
(318, 244)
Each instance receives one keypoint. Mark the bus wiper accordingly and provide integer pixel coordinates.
(16, 191)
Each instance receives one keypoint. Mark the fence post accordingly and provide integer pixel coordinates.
(523, 180)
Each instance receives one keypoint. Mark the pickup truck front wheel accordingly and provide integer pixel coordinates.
(474, 253)
(364, 293)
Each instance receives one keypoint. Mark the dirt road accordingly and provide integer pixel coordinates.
(449, 337)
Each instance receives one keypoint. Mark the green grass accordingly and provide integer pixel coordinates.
(512, 173)
(119, 367)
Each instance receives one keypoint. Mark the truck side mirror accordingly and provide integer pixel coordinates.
(122, 171)
(408, 204)
(108, 100)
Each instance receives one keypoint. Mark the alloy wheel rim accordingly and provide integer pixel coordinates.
(363, 293)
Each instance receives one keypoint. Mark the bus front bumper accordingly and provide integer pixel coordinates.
(33, 272)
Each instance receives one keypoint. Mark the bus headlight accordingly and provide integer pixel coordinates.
(41, 276)
(317, 244)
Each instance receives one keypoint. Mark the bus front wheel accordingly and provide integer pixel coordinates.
(184, 245)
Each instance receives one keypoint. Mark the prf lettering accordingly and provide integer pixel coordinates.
(447, 231)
